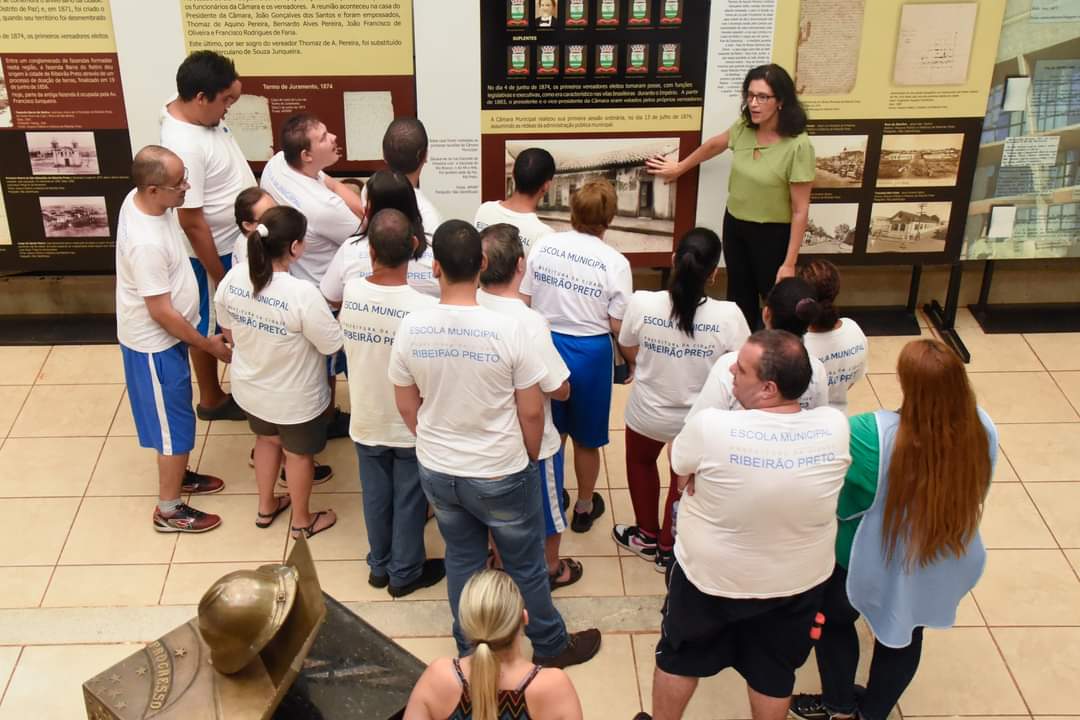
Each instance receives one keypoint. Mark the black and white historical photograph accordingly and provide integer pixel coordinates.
(74, 217)
(830, 228)
(840, 159)
(645, 219)
(910, 227)
(62, 153)
(920, 160)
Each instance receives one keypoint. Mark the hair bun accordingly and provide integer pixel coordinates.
(808, 309)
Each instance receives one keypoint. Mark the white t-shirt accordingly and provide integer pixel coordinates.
(528, 224)
(762, 520)
(672, 366)
(151, 259)
(429, 215)
(843, 351)
(577, 281)
(329, 219)
(467, 362)
(370, 316)
(353, 260)
(217, 171)
(281, 337)
(539, 337)
(718, 390)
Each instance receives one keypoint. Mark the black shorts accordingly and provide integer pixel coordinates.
(306, 438)
(765, 640)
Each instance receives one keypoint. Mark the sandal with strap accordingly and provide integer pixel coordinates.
(310, 530)
(575, 569)
(267, 519)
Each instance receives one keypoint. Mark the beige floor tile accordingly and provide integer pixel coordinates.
(236, 539)
(227, 457)
(68, 410)
(887, 389)
(1069, 382)
(1059, 503)
(47, 682)
(433, 540)
(861, 398)
(1003, 469)
(722, 697)
(884, 350)
(124, 424)
(1021, 397)
(1044, 662)
(1074, 558)
(22, 587)
(1028, 587)
(966, 321)
(82, 364)
(429, 649)
(619, 395)
(12, 398)
(38, 527)
(595, 542)
(341, 456)
(347, 540)
(124, 468)
(230, 427)
(1010, 519)
(640, 578)
(1058, 351)
(1042, 453)
(1000, 353)
(21, 364)
(606, 684)
(967, 613)
(346, 581)
(116, 531)
(8, 657)
(44, 467)
(601, 577)
(961, 673)
(187, 582)
(105, 586)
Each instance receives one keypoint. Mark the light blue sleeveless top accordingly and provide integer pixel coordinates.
(893, 599)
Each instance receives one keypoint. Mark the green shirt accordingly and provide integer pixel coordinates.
(860, 483)
(759, 190)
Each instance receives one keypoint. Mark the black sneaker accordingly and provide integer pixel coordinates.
(227, 410)
(582, 522)
(664, 560)
(378, 581)
(339, 425)
(565, 500)
(323, 473)
(582, 647)
(185, 519)
(630, 537)
(199, 484)
(808, 707)
(433, 572)
(643, 716)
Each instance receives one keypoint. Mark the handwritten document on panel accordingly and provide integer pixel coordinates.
(934, 46)
(830, 33)
(366, 116)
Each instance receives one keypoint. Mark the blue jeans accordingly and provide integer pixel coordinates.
(510, 508)
(395, 511)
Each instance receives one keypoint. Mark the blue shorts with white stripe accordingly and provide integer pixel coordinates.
(159, 389)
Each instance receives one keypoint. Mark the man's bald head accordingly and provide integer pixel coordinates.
(783, 361)
(390, 236)
(155, 165)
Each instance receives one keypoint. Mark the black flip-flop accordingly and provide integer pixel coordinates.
(576, 571)
(267, 519)
(310, 531)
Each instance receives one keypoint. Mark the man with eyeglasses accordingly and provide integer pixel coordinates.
(157, 310)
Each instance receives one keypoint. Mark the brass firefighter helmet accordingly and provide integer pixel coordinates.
(243, 610)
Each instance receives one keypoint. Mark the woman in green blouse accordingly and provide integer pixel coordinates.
(769, 188)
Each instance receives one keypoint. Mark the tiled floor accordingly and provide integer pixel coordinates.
(83, 576)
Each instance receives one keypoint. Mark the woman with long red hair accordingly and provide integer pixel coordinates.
(908, 546)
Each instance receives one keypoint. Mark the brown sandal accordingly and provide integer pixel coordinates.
(310, 530)
(267, 519)
(570, 565)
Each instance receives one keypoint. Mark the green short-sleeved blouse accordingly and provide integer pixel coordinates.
(759, 189)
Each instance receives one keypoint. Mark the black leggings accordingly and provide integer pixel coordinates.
(891, 669)
(753, 252)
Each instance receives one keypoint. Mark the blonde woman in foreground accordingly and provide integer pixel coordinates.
(495, 682)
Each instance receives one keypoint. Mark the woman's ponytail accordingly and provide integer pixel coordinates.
(695, 260)
(260, 266)
(484, 683)
(278, 228)
(491, 613)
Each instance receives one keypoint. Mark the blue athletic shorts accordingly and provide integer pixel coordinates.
(207, 313)
(584, 417)
(551, 488)
(159, 389)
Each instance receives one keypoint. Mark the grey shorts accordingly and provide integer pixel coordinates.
(306, 438)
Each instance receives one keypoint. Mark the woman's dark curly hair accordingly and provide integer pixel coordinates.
(791, 113)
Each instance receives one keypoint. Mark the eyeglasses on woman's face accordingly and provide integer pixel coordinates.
(757, 98)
